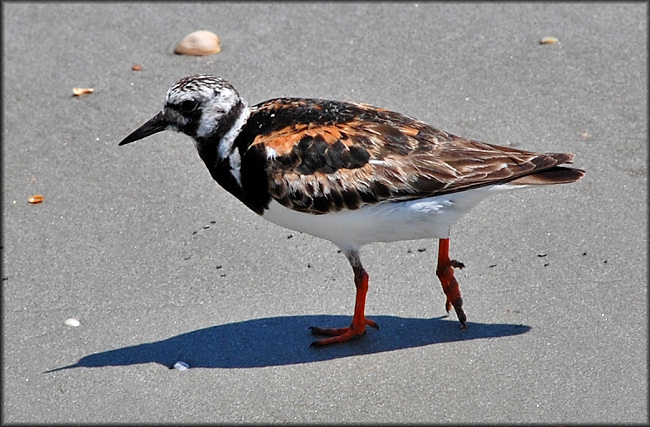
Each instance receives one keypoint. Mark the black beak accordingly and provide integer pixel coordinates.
(157, 124)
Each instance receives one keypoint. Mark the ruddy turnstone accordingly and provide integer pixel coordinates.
(349, 173)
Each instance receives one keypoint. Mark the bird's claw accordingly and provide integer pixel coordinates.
(456, 264)
(338, 335)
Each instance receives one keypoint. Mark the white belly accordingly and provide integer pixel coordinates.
(383, 222)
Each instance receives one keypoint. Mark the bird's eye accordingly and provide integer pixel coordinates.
(189, 106)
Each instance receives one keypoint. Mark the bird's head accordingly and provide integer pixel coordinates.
(201, 106)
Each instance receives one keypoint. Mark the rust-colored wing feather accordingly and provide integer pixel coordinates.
(326, 156)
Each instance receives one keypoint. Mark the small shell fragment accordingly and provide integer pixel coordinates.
(71, 322)
(549, 40)
(181, 366)
(78, 91)
(36, 198)
(199, 43)
(137, 67)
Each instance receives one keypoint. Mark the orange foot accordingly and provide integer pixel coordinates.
(455, 264)
(341, 334)
(359, 321)
(445, 272)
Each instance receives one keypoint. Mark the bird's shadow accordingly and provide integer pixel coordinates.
(285, 340)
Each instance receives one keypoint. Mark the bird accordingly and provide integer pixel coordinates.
(350, 173)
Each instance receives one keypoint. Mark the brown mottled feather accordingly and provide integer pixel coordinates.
(344, 155)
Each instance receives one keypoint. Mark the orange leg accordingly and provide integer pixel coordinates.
(359, 321)
(445, 272)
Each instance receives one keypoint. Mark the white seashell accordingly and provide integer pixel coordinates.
(71, 322)
(181, 366)
(199, 43)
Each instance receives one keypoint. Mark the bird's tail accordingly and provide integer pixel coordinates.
(554, 175)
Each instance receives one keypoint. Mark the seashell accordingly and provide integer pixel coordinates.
(36, 198)
(71, 322)
(78, 91)
(199, 43)
(181, 366)
(137, 67)
(549, 40)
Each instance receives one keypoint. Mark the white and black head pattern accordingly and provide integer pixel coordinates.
(202, 106)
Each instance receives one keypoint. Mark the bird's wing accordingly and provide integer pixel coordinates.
(327, 156)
